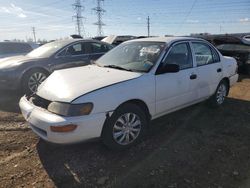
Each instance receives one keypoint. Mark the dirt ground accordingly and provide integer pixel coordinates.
(195, 147)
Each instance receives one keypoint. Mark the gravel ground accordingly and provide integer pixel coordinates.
(195, 147)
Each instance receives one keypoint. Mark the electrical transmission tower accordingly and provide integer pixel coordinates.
(78, 17)
(99, 12)
(34, 33)
(148, 25)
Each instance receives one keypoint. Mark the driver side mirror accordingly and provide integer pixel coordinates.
(169, 68)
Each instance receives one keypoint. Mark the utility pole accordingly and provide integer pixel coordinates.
(148, 25)
(99, 12)
(78, 17)
(34, 33)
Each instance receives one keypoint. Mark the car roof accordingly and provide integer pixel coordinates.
(166, 39)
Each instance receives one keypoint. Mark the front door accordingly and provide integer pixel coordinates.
(72, 56)
(174, 90)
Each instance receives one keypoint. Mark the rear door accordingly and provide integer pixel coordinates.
(209, 68)
(72, 56)
(174, 90)
(96, 49)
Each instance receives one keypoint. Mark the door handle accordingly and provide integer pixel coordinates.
(219, 70)
(193, 76)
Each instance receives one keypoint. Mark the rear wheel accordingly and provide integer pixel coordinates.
(125, 127)
(32, 80)
(221, 92)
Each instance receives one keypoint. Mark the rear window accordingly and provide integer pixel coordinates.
(203, 53)
(14, 48)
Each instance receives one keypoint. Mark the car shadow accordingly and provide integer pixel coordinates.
(198, 146)
(9, 101)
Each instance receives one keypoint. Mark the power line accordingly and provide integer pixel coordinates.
(99, 12)
(228, 7)
(187, 15)
(78, 17)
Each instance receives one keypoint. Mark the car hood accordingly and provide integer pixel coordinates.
(15, 61)
(68, 84)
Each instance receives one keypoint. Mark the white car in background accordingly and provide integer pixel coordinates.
(136, 82)
(116, 40)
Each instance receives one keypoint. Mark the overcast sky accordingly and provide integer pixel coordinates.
(53, 19)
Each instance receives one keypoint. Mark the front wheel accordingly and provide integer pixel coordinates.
(221, 92)
(125, 127)
(32, 80)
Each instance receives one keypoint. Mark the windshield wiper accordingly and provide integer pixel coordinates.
(118, 67)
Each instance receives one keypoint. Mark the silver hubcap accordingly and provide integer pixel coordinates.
(126, 128)
(221, 94)
(35, 80)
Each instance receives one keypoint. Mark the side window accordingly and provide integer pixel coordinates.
(75, 49)
(99, 48)
(203, 53)
(216, 56)
(180, 54)
(62, 53)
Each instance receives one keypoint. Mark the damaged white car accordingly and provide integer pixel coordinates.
(138, 81)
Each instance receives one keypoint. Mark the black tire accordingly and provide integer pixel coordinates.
(219, 96)
(108, 133)
(26, 88)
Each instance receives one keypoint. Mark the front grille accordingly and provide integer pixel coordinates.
(39, 101)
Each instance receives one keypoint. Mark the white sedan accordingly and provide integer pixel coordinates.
(138, 81)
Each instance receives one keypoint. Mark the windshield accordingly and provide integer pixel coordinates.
(234, 47)
(133, 56)
(46, 50)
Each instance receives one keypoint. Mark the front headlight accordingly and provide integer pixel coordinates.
(66, 109)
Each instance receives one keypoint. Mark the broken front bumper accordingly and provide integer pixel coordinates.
(40, 120)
